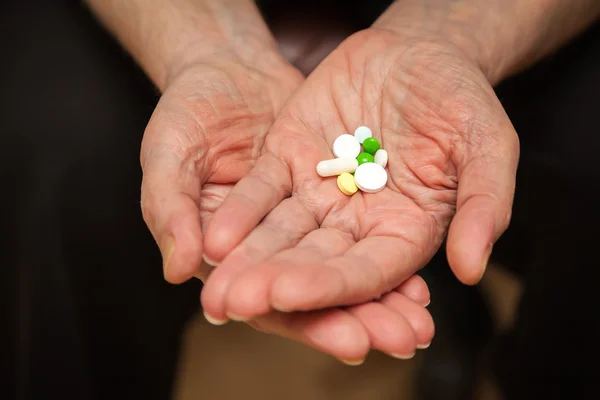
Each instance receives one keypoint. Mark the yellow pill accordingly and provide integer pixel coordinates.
(346, 184)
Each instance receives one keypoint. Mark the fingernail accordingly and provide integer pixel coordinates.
(428, 303)
(214, 321)
(167, 251)
(234, 317)
(403, 356)
(209, 261)
(423, 346)
(353, 363)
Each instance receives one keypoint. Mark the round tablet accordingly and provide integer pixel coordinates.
(361, 133)
(346, 146)
(370, 177)
(346, 184)
(381, 157)
(371, 145)
(364, 158)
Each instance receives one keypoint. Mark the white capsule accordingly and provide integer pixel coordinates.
(336, 166)
(370, 177)
(381, 157)
(361, 133)
(346, 146)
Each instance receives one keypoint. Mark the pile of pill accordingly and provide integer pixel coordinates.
(357, 168)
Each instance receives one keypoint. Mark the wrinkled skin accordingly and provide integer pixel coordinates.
(289, 240)
(204, 136)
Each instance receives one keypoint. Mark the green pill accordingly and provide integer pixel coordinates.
(364, 158)
(371, 145)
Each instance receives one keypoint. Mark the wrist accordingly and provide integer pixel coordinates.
(455, 24)
(265, 60)
(165, 36)
(501, 37)
(261, 68)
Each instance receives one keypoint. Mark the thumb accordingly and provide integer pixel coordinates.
(486, 185)
(170, 198)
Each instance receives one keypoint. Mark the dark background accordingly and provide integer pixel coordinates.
(85, 311)
(88, 310)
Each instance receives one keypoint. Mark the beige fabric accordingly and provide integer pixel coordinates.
(234, 362)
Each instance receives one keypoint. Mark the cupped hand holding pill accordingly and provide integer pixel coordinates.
(450, 155)
(204, 136)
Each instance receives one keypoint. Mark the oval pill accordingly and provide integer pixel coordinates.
(361, 133)
(346, 184)
(364, 158)
(371, 145)
(381, 157)
(336, 166)
(346, 146)
(370, 177)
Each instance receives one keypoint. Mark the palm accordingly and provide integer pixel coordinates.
(204, 136)
(425, 104)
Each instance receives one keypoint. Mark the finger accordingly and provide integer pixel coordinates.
(174, 221)
(212, 197)
(267, 184)
(484, 204)
(283, 228)
(388, 330)
(372, 266)
(415, 288)
(334, 331)
(249, 294)
(170, 207)
(417, 316)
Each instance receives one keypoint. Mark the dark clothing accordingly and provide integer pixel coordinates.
(90, 316)
(88, 313)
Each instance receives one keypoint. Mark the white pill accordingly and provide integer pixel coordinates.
(381, 157)
(346, 146)
(337, 166)
(370, 177)
(361, 133)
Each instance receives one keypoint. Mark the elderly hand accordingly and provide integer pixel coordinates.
(452, 157)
